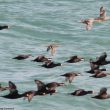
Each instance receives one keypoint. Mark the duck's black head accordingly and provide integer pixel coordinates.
(103, 91)
(4, 27)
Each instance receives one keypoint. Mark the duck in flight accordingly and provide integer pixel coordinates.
(4, 27)
(14, 94)
(70, 76)
(81, 92)
(52, 48)
(101, 60)
(43, 89)
(75, 59)
(22, 57)
(94, 67)
(102, 17)
(103, 14)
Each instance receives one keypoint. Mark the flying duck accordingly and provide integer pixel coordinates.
(70, 76)
(52, 48)
(22, 57)
(4, 27)
(74, 59)
(81, 92)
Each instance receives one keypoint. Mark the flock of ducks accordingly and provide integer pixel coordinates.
(50, 88)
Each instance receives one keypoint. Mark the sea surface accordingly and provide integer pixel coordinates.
(34, 24)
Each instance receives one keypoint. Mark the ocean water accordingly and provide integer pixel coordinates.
(34, 24)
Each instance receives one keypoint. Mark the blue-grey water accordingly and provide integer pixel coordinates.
(34, 24)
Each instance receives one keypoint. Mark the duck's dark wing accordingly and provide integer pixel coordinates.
(102, 57)
(40, 85)
(12, 87)
(13, 92)
(102, 12)
(48, 48)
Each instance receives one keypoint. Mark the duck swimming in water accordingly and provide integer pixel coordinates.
(70, 76)
(41, 59)
(4, 27)
(75, 59)
(22, 57)
(102, 94)
(81, 92)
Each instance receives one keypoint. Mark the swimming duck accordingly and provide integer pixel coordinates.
(75, 59)
(81, 92)
(22, 57)
(102, 94)
(4, 27)
(70, 76)
(41, 59)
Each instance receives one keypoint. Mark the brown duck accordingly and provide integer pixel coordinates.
(70, 76)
